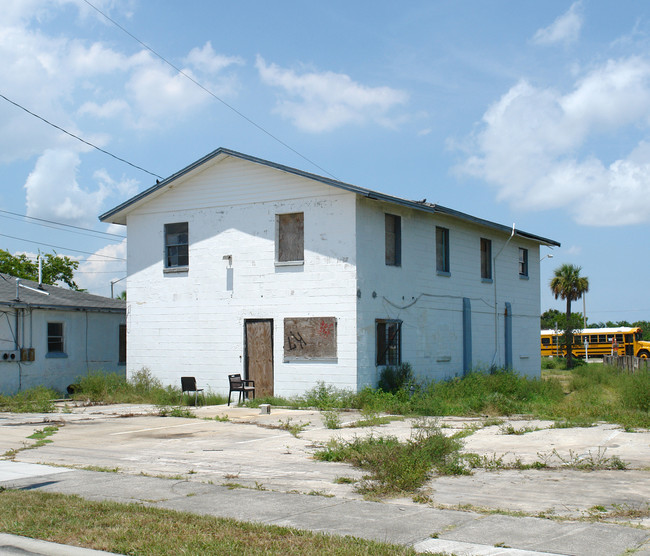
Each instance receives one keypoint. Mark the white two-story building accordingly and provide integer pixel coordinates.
(240, 265)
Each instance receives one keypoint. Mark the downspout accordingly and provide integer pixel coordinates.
(496, 316)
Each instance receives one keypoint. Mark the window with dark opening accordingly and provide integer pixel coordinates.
(523, 262)
(389, 342)
(55, 337)
(393, 240)
(290, 245)
(486, 259)
(442, 249)
(122, 344)
(176, 245)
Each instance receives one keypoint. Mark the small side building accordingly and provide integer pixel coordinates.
(49, 336)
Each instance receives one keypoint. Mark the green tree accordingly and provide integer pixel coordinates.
(55, 268)
(552, 318)
(570, 286)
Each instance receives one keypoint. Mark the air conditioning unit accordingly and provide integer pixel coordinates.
(9, 356)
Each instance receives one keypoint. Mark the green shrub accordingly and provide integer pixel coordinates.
(34, 400)
(393, 379)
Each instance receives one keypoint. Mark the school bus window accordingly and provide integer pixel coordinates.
(546, 341)
(628, 337)
(619, 338)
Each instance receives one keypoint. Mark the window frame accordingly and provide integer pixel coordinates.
(173, 262)
(442, 251)
(57, 338)
(285, 248)
(383, 356)
(523, 264)
(486, 259)
(393, 239)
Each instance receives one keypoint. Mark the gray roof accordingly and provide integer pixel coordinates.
(117, 215)
(53, 297)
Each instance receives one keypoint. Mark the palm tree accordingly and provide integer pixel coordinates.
(568, 284)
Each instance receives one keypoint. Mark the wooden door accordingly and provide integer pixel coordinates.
(259, 355)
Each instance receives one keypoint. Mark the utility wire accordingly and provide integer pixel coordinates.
(58, 224)
(66, 248)
(214, 95)
(79, 138)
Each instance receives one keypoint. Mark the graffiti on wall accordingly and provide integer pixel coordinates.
(309, 338)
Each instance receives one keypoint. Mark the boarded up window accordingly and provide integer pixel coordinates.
(291, 237)
(442, 249)
(393, 240)
(310, 338)
(122, 344)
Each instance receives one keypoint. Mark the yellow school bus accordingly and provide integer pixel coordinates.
(596, 342)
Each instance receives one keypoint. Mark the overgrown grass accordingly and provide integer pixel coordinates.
(134, 529)
(142, 388)
(35, 400)
(397, 467)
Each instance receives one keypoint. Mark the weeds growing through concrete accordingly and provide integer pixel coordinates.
(396, 467)
(294, 428)
(331, 418)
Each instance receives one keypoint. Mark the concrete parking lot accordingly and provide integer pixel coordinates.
(249, 453)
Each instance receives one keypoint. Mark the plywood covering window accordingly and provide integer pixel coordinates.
(486, 259)
(177, 245)
(442, 249)
(55, 337)
(393, 240)
(290, 244)
(389, 342)
(310, 338)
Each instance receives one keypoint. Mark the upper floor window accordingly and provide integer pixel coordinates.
(176, 245)
(393, 240)
(486, 259)
(389, 342)
(55, 337)
(523, 262)
(290, 239)
(442, 249)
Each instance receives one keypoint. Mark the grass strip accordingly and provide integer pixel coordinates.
(135, 529)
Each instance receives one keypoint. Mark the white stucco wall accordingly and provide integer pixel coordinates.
(189, 323)
(431, 305)
(91, 343)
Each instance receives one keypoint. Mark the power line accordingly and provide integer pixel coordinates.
(79, 138)
(58, 224)
(214, 95)
(66, 248)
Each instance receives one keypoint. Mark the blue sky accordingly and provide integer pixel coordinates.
(533, 113)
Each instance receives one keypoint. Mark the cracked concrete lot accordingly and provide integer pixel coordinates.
(251, 450)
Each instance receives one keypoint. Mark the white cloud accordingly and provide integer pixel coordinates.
(318, 102)
(101, 268)
(565, 29)
(60, 79)
(208, 61)
(52, 191)
(530, 142)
